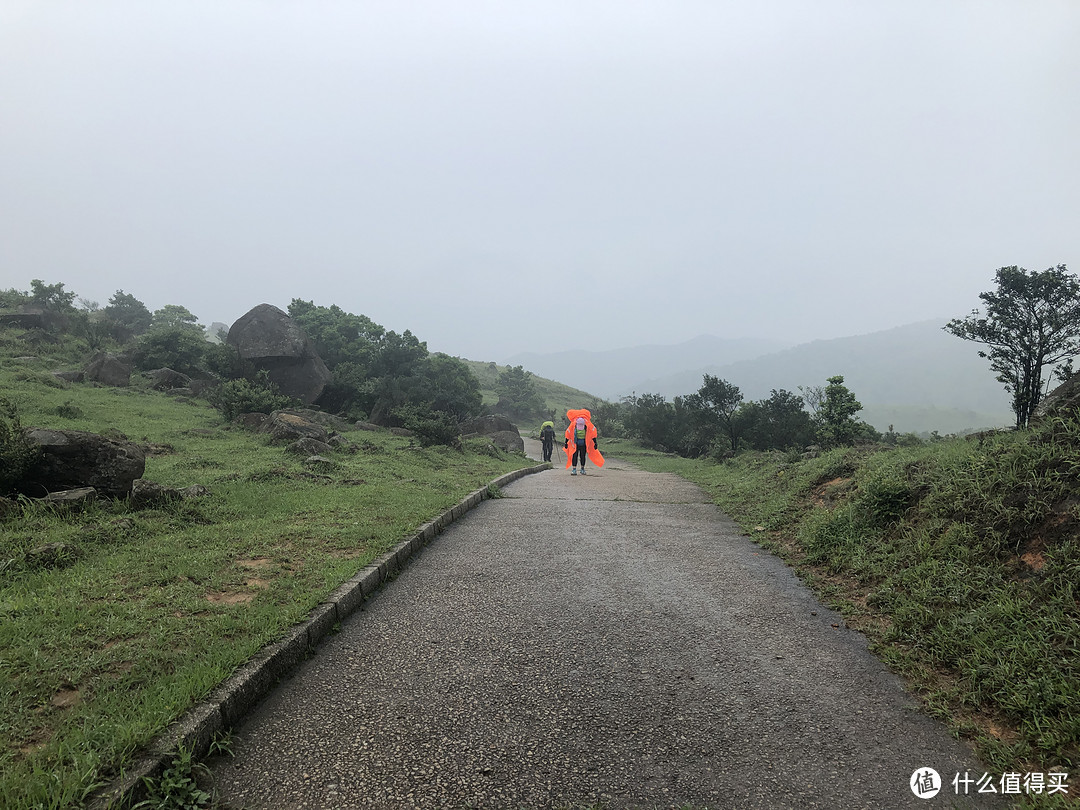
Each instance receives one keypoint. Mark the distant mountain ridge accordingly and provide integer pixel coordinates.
(611, 374)
(915, 377)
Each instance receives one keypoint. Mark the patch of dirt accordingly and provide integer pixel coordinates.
(347, 553)
(829, 494)
(1060, 523)
(257, 570)
(230, 597)
(67, 697)
(38, 740)
(255, 562)
(1034, 559)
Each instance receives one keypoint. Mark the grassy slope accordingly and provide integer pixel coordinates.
(557, 397)
(960, 560)
(156, 607)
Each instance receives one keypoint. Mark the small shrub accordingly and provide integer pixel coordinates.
(69, 410)
(47, 380)
(177, 788)
(431, 427)
(249, 396)
(16, 452)
(883, 501)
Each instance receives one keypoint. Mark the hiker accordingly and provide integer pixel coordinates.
(547, 436)
(582, 432)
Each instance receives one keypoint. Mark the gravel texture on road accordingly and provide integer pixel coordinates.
(608, 639)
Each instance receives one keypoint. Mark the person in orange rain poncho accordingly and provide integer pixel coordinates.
(582, 435)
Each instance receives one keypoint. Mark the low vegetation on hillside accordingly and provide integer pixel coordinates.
(960, 559)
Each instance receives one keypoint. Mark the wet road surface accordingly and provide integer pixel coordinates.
(612, 639)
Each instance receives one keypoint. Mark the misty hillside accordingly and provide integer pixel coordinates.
(916, 377)
(610, 374)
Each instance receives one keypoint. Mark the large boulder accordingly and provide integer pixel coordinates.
(1065, 399)
(501, 431)
(487, 425)
(166, 379)
(327, 420)
(286, 427)
(26, 318)
(508, 440)
(108, 369)
(70, 459)
(30, 317)
(273, 342)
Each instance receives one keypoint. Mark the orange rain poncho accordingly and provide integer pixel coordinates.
(590, 437)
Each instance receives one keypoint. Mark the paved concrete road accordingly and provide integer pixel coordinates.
(609, 638)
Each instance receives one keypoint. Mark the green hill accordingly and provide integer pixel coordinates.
(557, 397)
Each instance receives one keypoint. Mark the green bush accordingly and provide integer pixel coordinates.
(430, 427)
(16, 453)
(69, 410)
(260, 395)
(181, 349)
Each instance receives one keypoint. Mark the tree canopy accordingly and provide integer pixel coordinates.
(174, 316)
(128, 312)
(387, 376)
(517, 392)
(1030, 324)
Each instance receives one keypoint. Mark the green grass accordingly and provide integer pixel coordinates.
(959, 559)
(152, 609)
(558, 398)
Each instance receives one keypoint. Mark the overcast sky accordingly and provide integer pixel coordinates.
(519, 176)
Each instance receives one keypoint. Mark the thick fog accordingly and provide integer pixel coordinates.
(508, 177)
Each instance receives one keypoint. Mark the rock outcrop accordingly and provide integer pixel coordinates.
(501, 431)
(71, 459)
(273, 342)
(1065, 399)
(167, 379)
(108, 369)
(145, 494)
(286, 427)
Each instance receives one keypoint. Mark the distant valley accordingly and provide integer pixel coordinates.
(916, 377)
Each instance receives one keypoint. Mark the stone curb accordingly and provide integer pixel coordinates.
(238, 695)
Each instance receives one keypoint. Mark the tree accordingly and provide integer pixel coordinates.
(174, 316)
(448, 385)
(835, 416)
(375, 371)
(339, 336)
(714, 410)
(129, 313)
(13, 299)
(517, 393)
(777, 423)
(179, 348)
(1031, 324)
(651, 418)
(51, 296)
